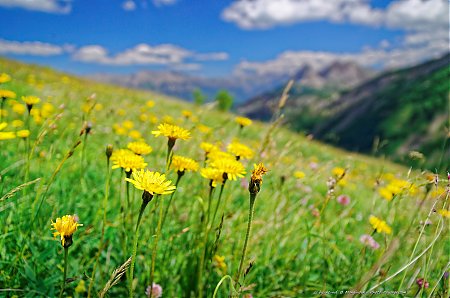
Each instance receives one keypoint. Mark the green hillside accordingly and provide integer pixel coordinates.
(325, 219)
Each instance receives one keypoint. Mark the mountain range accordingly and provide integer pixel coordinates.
(401, 113)
(336, 74)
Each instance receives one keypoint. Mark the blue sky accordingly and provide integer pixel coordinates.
(219, 38)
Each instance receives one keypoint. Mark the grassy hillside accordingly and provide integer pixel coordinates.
(312, 229)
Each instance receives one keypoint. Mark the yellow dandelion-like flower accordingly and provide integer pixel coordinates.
(186, 113)
(299, 174)
(5, 94)
(386, 193)
(209, 147)
(25, 133)
(240, 150)
(47, 110)
(338, 171)
(220, 263)
(17, 123)
(256, 178)
(215, 175)
(128, 162)
(31, 100)
(7, 135)
(444, 213)
(3, 125)
(134, 134)
(151, 182)
(4, 78)
(19, 108)
(65, 227)
(119, 152)
(203, 128)
(232, 168)
(182, 164)
(243, 121)
(150, 103)
(217, 154)
(140, 148)
(173, 132)
(380, 225)
(127, 124)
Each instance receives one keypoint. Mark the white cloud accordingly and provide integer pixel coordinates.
(164, 2)
(402, 14)
(33, 48)
(129, 5)
(49, 6)
(142, 54)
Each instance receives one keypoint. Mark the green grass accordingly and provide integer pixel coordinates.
(295, 253)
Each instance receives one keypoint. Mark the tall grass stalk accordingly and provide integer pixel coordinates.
(63, 284)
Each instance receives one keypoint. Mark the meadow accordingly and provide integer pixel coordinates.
(324, 222)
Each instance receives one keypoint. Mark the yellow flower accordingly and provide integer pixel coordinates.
(140, 148)
(208, 147)
(127, 124)
(240, 150)
(25, 133)
(186, 113)
(4, 94)
(299, 174)
(215, 175)
(19, 108)
(256, 178)
(379, 225)
(444, 213)
(65, 227)
(7, 135)
(151, 182)
(232, 168)
(181, 164)
(203, 128)
(3, 125)
(243, 121)
(173, 132)
(217, 154)
(81, 287)
(386, 193)
(134, 134)
(338, 172)
(220, 263)
(31, 100)
(4, 78)
(150, 103)
(128, 162)
(17, 123)
(47, 110)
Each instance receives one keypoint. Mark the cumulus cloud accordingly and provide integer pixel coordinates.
(49, 6)
(129, 5)
(142, 54)
(402, 14)
(34, 48)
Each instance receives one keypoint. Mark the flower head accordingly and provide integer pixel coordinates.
(31, 100)
(343, 200)
(4, 78)
(154, 291)
(4, 94)
(230, 168)
(127, 161)
(173, 132)
(240, 150)
(65, 227)
(422, 283)
(140, 148)
(209, 147)
(380, 225)
(151, 182)
(243, 121)
(256, 179)
(299, 174)
(181, 164)
(24, 133)
(213, 174)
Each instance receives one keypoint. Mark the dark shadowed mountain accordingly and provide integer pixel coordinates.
(395, 113)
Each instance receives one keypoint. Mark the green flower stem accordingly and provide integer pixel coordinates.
(27, 146)
(205, 239)
(170, 199)
(218, 203)
(135, 240)
(105, 201)
(247, 235)
(63, 284)
(155, 244)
